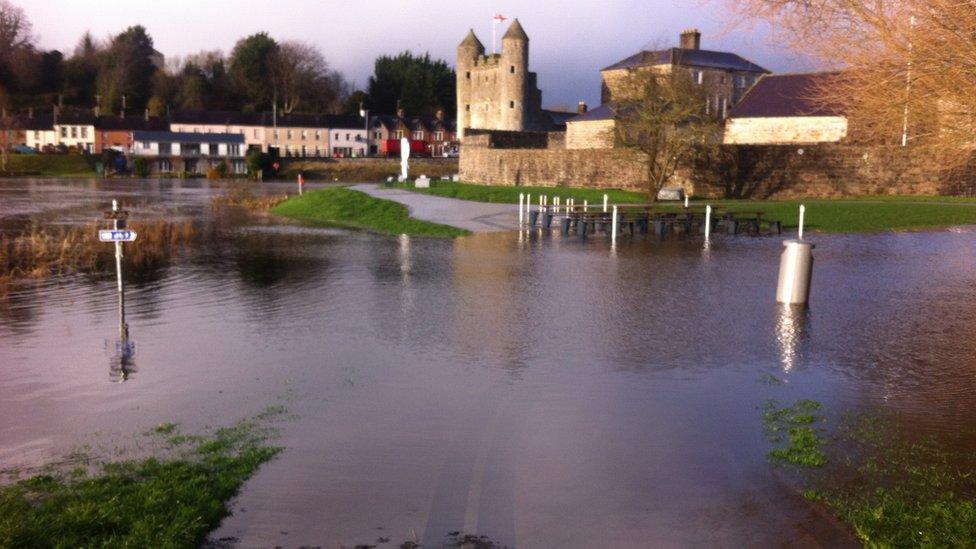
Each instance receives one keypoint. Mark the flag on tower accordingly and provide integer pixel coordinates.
(498, 18)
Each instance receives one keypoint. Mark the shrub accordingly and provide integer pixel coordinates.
(140, 167)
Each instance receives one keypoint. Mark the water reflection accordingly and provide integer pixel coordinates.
(791, 329)
(122, 362)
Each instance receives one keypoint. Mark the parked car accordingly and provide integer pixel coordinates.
(24, 149)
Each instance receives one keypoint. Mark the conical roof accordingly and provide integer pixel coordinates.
(472, 40)
(516, 31)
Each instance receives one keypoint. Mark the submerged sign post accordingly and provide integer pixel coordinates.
(117, 234)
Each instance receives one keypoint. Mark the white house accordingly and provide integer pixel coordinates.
(191, 152)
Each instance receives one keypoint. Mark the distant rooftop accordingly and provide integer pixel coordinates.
(688, 58)
(186, 137)
(603, 112)
(786, 95)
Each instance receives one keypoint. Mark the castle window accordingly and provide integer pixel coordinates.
(512, 69)
(467, 107)
(511, 104)
(468, 75)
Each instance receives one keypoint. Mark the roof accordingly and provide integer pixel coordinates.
(186, 137)
(603, 112)
(472, 40)
(119, 123)
(516, 32)
(786, 95)
(346, 122)
(689, 58)
(73, 117)
(40, 121)
(219, 118)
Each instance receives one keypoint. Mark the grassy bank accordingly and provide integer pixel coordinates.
(173, 501)
(892, 490)
(848, 215)
(342, 207)
(353, 170)
(50, 165)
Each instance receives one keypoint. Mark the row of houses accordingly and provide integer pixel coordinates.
(208, 137)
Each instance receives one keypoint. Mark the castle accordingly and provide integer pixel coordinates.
(497, 91)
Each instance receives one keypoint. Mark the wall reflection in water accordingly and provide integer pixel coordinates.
(122, 362)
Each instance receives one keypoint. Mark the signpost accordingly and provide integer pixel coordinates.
(118, 234)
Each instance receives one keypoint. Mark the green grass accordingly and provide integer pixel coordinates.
(848, 215)
(51, 165)
(510, 195)
(153, 502)
(342, 207)
(893, 490)
(796, 427)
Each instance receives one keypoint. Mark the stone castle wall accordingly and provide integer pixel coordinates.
(826, 170)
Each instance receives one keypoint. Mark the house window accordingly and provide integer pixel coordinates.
(697, 77)
(398, 134)
(347, 137)
(377, 135)
(165, 148)
(439, 136)
(37, 135)
(289, 134)
(276, 135)
(84, 132)
(255, 133)
(304, 135)
(318, 135)
(511, 104)
(336, 137)
(234, 150)
(74, 131)
(214, 149)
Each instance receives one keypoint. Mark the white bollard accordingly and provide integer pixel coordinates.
(521, 210)
(555, 202)
(586, 205)
(528, 204)
(708, 221)
(613, 229)
(605, 197)
(803, 211)
(795, 270)
(686, 201)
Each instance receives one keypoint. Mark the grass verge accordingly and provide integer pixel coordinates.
(847, 215)
(153, 502)
(342, 207)
(892, 491)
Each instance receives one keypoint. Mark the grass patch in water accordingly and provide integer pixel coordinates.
(510, 194)
(153, 502)
(796, 427)
(242, 196)
(342, 207)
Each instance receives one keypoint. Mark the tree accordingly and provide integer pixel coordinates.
(301, 77)
(419, 84)
(15, 29)
(354, 102)
(907, 67)
(127, 70)
(251, 64)
(664, 117)
(81, 71)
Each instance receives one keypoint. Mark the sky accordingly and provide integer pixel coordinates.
(570, 40)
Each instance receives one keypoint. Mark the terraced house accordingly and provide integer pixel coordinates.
(182, 152)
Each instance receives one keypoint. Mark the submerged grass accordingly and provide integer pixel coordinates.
(892, 491)
(153, 502)
(846, 215)
(342, 207)
(242, 196)
(41, 252)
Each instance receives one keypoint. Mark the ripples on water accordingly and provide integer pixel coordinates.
(540, 390)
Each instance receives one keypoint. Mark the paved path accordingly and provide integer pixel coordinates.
(478, 217)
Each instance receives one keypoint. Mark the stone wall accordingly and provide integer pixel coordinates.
(835, 170)
(824, 170)
(785, 130)
(590, 134)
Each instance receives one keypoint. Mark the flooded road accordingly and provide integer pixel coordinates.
(538, 390)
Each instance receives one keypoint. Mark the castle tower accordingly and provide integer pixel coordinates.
(514, 66)
(469, 51)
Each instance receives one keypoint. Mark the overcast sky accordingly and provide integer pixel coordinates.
(570, 39)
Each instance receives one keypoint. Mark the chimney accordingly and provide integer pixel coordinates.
(440, 114)
(581, 107)
(400, 112)
(97, 111)
(30, 112)
(690, 40)
(147, 115)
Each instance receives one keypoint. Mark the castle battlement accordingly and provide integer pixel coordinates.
(497, 91)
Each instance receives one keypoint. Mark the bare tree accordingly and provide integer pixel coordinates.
(15, 29)
(663, 116)
(908, 67)
(302, 76)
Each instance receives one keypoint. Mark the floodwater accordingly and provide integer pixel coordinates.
(538, 390)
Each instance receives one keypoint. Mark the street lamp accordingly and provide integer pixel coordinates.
(365, 114)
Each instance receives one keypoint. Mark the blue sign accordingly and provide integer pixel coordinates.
(120, 235)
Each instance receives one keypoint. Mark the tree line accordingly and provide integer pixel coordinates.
(123, 71)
